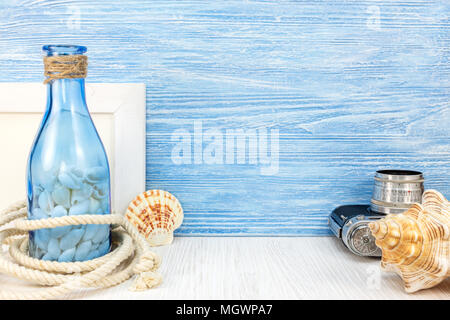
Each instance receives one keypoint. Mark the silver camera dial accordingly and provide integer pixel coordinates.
(358, 238)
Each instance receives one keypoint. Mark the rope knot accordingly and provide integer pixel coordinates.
(146, 280)
(148, 261)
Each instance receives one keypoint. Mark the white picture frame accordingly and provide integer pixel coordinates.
(123, 102)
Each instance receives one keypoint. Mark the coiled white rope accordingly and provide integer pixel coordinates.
(131, 255)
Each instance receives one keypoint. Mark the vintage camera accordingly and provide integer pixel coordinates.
(394, 192)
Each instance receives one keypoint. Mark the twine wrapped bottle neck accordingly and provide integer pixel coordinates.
(65, 67)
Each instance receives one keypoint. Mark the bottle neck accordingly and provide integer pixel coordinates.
(66, 95)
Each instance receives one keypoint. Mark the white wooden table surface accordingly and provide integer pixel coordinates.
(264, 268)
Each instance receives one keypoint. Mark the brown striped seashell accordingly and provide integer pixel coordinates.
(416, 244)
(156, 214)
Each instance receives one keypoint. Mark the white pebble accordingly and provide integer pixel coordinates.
(58, 211)
(45, 201)
(60, 231)
(41, 238)
(79, 208)
(53, 250)
(102, 234)
(61, 196)
(94, 206)
(67, 255)
(71, 178)
(83, 250)
(82, 194)
(71, 239)
(91, 231)
(37, 214)
(48, 257)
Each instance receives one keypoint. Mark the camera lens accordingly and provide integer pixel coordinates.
(396, 190)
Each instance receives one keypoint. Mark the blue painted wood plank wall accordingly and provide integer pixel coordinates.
(351, 87)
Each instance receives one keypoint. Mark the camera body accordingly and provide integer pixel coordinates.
(351, 224)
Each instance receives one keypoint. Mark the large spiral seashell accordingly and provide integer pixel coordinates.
(156, 214)
(416, 244)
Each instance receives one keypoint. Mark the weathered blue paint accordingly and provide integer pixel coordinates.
(352, 87)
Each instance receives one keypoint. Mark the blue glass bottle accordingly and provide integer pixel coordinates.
(68, 173)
